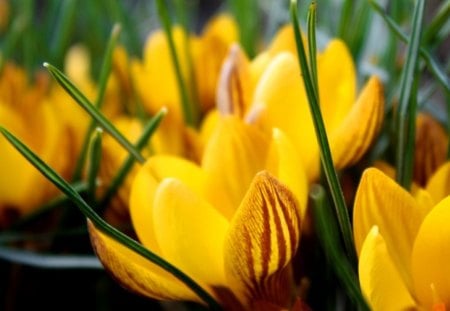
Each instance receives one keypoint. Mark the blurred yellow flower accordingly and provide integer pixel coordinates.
(233, 223)
(27, 113)
(402, 242)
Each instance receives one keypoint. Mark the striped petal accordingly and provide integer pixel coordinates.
(380, 280)
(430, 257)
(144, 188)
(439, 183)
(263, 237)
(283, 163)
(381, 202)
(135, 272)
(234, 154)
(354, 135)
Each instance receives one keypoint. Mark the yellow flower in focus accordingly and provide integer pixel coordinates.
(402, 242)
(269, 92)
(232, 224)
(27, 113)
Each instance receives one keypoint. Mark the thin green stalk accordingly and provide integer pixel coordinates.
(432, 64)
(103, 226)
(325, 153)
(326, 229)
(189, 110)
(93, 112)
(103, 82)
(12, 39)
(312, 46)
(119, 178)
(346, 14)
(407, 108)
(247, 15)
(95, 157)
(441, 18)
(64, 28)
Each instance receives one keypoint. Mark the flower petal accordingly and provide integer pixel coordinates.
(439, 183)
(284, 164)
(280, 91)
(380, 281)
(135, 272)
(354, 135)
(337, 83)
(430, 256)
(190, 232)
(144, 187)
(263, 237)
(381, 202)
(234, 154)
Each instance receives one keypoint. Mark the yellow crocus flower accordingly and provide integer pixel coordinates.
(26, 111)
(402, 243)
(232, 224)
(269, 92)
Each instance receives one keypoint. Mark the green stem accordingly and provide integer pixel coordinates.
(95, 157)
(442, 17)
(345, 19)
(312, 46)
(325, 153)
(326, 230)
(103, 226)
(103, 82)
(189, 111)
(65, 25)
(93, 112)
(432, 64)
(407, 108)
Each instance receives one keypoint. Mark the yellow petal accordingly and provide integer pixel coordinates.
(144, 187)
(337, 83)
(283, 163)
(284, 41)
(157, 84)
(135, 272)
(281, 93)
(359, 128)
(190, 232)
(380, 281)
(209, 54)
(439, 183)
(234, 154)
(430, 256)
(381, 202)
(263, 237)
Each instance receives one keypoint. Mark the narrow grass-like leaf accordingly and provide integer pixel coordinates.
(325, 153)
(441, 18)
(93, 112)
(12, 39)
(48, 261)
(119, 178)
(312, 46)
(64, 28)
(432, 64)
(189, 110)
(327, 232)
(407, 108)
(103, 82)
(345, 20)
(95, 157)
(247, 14)
(103, 226)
